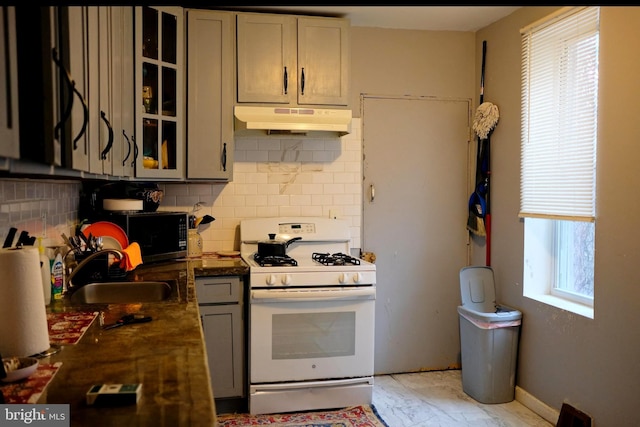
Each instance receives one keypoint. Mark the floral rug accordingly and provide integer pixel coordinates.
(355, 416)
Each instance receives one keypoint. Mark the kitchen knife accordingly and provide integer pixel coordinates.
(24, 237)
(128, 319)
(8, 242)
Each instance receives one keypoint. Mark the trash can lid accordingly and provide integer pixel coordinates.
(477, 288)
(491, 320)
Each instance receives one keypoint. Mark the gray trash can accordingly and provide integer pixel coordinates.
(488, 338)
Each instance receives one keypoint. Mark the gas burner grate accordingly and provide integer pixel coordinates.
(334, 259)
(275, 260)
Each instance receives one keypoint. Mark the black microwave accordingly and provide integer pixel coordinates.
(161, 235)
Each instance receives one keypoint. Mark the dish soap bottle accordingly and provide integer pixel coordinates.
(57, 276)
(45, 270)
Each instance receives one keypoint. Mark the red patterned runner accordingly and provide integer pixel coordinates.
(355, 416)
(29, 389)
(68, 328)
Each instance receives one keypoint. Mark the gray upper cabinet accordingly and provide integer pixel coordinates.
(284, 59)
(116, 90)
(79, 20)
(266, 58)
(210, 49)
(73, 59)
(159, 92)
(323, 61)
(102, 66)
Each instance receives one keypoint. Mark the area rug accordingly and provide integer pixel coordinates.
(355, 416)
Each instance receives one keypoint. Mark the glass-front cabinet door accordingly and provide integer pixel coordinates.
(160, 99)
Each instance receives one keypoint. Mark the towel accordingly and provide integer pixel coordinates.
(132, 257)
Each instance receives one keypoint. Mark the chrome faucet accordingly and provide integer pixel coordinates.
(70, 286)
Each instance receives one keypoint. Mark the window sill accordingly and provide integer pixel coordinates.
(573, 307)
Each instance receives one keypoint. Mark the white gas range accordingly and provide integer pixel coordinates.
(311, 316)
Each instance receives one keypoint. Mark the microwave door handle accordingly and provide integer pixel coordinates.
(264, 296)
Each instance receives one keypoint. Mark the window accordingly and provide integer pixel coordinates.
(558, 157)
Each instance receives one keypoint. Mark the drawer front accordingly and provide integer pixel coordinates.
(219, 289)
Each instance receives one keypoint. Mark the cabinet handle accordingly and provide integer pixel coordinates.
(373, 193)
(70, 88)
(128, 145)
(7, 66)
(302, 83)
(286, 80)
(135, 150)
(224, 157)
(103, 156)
(85, 120)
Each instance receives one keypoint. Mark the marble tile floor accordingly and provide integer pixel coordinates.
(436, 399)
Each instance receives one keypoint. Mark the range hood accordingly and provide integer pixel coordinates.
(292, 121)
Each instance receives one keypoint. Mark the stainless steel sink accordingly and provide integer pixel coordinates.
(122, 292)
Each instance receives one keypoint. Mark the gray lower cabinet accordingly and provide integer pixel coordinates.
(221, 312)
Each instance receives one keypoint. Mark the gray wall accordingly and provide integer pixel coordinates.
(591, 363)
(416, 63)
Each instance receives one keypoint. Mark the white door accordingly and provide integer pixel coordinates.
(415, 158)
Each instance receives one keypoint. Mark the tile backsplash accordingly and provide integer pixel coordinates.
(278, 176)
(273, 176)
(44, 208)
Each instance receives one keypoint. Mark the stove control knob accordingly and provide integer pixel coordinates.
(344, 278)
(271, 279)
(357, 278)
(286, 279)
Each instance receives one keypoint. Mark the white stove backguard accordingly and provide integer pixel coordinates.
(318, 234)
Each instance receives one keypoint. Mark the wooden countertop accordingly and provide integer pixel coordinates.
(166, 355)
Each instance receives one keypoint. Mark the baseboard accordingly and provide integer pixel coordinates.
(547, 412)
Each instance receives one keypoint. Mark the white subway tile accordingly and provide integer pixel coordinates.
(311, 211)
(278, 200)
(257, 156)
(268, 189)
(300, 200)
(312, 188)
(289, 211)
(245, 212)
(334, 188)
(256, 200)
(322, 200)
(246, 189)
(267, 211)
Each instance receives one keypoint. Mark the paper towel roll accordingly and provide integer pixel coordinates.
(23, 315)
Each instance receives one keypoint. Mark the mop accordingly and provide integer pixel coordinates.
(485, 119)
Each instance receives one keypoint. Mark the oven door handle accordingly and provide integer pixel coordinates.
(263, 296)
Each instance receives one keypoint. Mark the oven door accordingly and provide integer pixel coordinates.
(307, 334)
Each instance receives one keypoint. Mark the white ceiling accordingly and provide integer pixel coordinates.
(435, 18)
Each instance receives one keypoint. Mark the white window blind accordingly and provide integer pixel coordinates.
(559, 116)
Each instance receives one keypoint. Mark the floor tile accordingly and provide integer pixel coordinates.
(436, 399)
